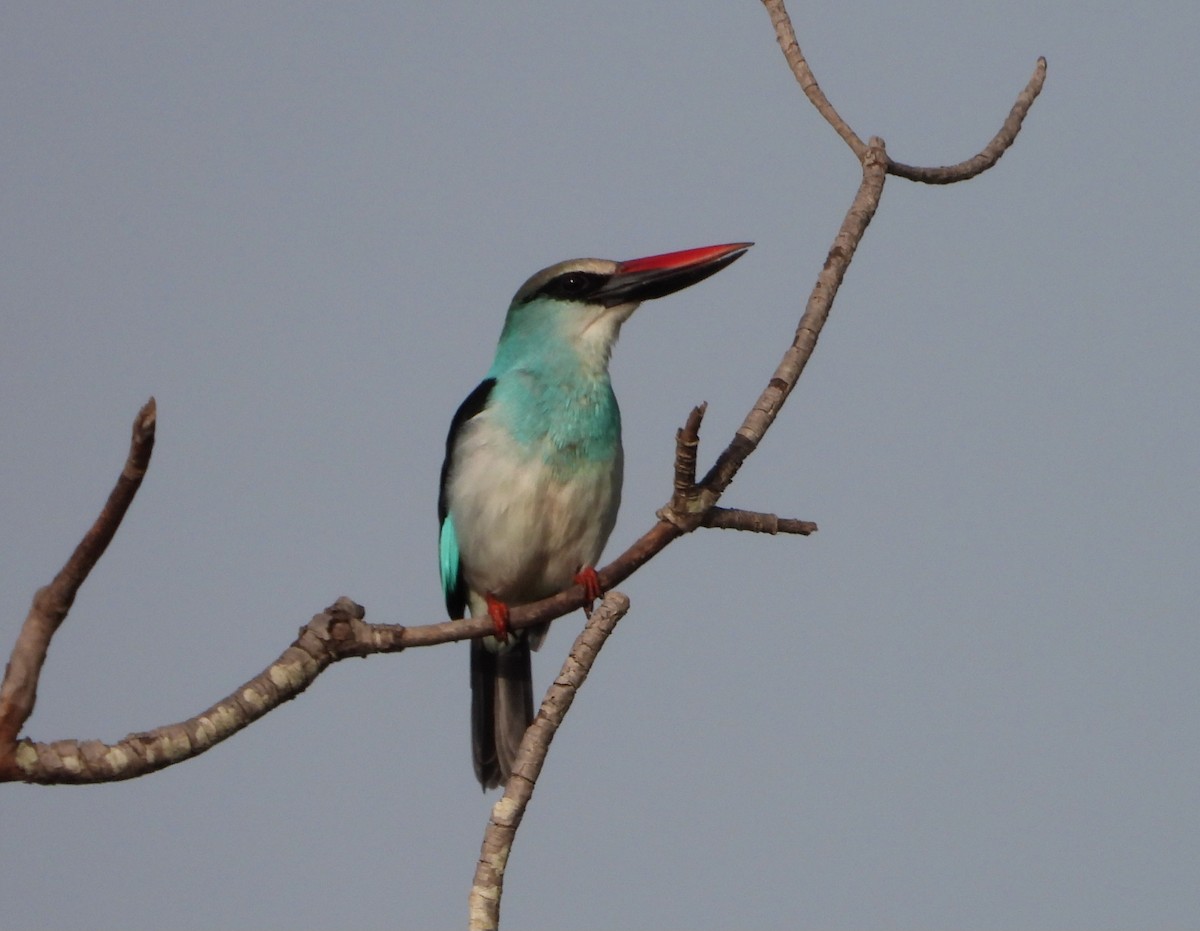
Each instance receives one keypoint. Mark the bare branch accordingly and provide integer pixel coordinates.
(808, 82)
(788, 372)
(18, 692)
(943, 175)
(337, 633)
(991, 152)
(687, 508)
(484, 901)
(333, 636)
(756, 522)
(341, 630)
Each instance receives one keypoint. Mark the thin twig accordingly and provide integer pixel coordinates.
(991, 152)
(756, 522)
(686, 509)
(18, 691)
(804, 75)
(687, 442)
(484, 901)
(948, 174)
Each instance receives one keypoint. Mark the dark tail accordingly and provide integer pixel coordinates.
(501, 708)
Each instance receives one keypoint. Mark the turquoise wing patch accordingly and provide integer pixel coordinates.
(453, 586)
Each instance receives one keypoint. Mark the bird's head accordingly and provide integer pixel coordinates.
(579, 305)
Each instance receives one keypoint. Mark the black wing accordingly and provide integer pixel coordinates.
(456, 597)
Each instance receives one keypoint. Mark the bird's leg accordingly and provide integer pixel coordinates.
(498, 611)
(587, 578)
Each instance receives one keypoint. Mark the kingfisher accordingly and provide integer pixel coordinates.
(531, 481)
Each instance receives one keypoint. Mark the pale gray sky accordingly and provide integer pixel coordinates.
(969, 701)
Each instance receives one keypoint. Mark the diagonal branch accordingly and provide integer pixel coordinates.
(484, 901)
(18, 691)
(337, 633)
(786, 36)
(816, 312)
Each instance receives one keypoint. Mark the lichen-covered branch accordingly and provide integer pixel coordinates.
(18, 691)
(335, 634)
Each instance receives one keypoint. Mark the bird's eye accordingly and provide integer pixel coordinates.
(573, 283)
(571, 286)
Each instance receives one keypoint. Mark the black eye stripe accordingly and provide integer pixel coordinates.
(572, 285)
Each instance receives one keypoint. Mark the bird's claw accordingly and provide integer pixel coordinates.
(590, 582)
(498, 612)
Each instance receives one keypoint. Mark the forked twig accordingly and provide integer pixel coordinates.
(949, 174)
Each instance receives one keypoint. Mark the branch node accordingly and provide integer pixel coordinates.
(689, 501)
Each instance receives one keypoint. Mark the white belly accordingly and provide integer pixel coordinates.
(523, 532)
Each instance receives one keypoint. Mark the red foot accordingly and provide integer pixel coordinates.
(591, 583)
(498, 611)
